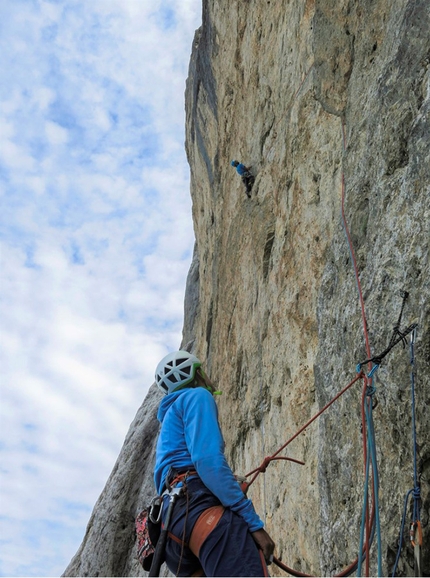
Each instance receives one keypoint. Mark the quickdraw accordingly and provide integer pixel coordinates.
(416, 534)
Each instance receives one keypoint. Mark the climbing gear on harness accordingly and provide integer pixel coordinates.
(148, 529)
(160, 549)
(155, 510)
(145, 541)
(176, 370)
(148, 522)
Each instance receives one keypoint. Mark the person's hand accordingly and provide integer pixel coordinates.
(265, 543)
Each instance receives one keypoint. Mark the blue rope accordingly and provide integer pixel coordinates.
(415, 491)
(371, 456)
(371, 372)
(402, 528)
(363, 515)
(372, 446)
(414, 430)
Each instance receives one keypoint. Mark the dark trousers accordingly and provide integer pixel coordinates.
(229, 550)
(248, 181)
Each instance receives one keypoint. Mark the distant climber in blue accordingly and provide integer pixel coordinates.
(247, 178)
(214, 529)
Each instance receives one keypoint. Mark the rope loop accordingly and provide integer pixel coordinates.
(417, 493)
(373, 370)
(370, 391)
(264, 464)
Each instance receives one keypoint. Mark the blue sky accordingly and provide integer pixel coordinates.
(96, 241)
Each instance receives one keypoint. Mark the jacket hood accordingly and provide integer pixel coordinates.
(167, 402)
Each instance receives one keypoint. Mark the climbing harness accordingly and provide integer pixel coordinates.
(204, 525)
(151, 553)
(173, 478)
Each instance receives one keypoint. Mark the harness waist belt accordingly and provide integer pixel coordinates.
(181, 477)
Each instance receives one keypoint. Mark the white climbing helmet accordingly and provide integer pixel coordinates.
(176, 370)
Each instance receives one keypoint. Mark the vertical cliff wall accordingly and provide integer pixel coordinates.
(325, 99)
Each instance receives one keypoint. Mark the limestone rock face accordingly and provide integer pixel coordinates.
(109, 548)
(328, 101)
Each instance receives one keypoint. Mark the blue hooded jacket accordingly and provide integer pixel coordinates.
(190, 437)
(241, 169)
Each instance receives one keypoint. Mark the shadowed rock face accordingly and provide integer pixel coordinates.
(308, 93)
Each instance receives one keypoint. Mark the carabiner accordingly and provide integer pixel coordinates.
(156, 503)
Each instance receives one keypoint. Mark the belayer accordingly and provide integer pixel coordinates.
(247, 178)
(212, 527)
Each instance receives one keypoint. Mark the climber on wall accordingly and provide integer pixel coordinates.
(213, 527)
(247, 178)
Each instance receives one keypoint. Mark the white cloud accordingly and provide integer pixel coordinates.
(43, 97)
(55, 134)
(95, 247)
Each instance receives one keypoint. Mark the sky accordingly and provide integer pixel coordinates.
(96, 241)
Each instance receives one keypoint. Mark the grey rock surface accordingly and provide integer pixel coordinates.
(108, 548)
(322, 98)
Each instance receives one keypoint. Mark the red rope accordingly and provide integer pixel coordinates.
(354, 261)
(345, 572)
(262, 467)
(366, 383)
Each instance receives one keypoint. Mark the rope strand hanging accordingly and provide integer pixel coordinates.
(370, 515)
